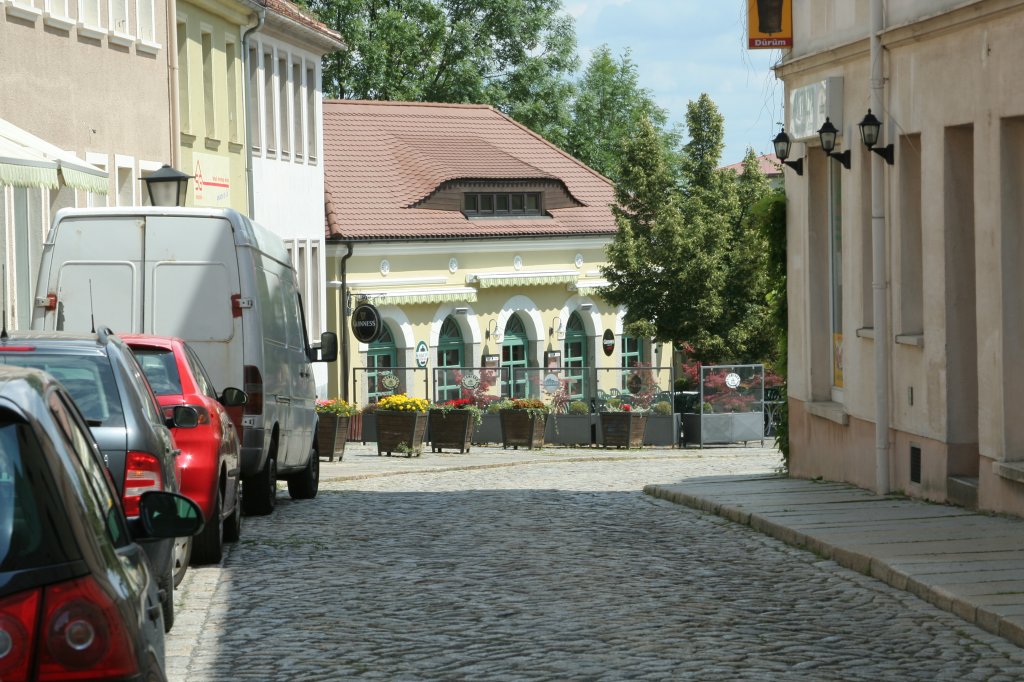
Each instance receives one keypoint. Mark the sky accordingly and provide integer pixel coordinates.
(683, 48)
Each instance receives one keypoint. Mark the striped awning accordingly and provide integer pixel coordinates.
(520, 279)
(420, 296)
(588, 287)
(21, 152)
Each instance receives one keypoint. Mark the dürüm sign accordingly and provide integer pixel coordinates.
(366, 323)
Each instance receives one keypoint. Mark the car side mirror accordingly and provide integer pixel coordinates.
(328, 349)
(184, 417)
(232, 397)
(169, 515)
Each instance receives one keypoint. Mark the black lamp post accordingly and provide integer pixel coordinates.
(870, 131)
(167, 186)
(782, 145)
(827, 134)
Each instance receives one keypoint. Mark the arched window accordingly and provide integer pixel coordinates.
(451, 352)
(513, 355)
(575, 358)
(381, 356)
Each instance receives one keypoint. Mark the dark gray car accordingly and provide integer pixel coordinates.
(105, 380)
(77, 595)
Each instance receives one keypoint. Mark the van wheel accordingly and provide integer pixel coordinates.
(208, 546)
(233, 523)
(304, 486)
(259, 493)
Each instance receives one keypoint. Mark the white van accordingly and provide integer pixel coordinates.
(222, 283)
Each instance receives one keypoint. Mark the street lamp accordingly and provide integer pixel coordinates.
(870, 131)
(167, 186)
(827, 134)
(782, 145)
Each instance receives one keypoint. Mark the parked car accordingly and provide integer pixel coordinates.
(224, 284)
(105, 380)
(78, 597)
(208, 465)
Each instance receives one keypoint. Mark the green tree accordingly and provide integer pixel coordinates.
(609, 102)
(516, 55)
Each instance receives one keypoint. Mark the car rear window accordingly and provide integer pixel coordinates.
(31, 535)
(88, 378)
(161, 370)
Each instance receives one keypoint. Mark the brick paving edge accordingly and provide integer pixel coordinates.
(855, 561)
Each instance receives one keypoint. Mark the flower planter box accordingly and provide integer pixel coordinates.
(451, 429)
(622, 429)
(488, 430)
(369, 427)
(331, 436)
(570, 429)
(521, 427)
(662, 429)
(711, 429)
(401, 432)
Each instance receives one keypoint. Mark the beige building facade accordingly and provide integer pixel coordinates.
(952, 215)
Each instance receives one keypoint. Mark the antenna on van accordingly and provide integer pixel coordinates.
(3, 273)
(92, 311)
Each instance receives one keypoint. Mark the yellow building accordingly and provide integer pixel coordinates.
(480, 244)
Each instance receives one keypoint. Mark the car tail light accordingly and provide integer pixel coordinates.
(142, 473)
(17, 630)
(253, 386)
(83, 636)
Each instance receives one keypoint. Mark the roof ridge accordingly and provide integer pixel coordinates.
(398, 103)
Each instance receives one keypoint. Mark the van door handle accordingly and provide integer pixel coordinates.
(283, 399)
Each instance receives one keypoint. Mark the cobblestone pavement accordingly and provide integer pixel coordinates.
(559, 570)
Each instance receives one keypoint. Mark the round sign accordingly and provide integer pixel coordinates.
(551, 383)
(389, 381)
(470, 381)
(608, 342)
(366, 323)
(732, 380)
(422, 354)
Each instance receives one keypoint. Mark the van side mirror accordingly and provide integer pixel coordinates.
(328, 349)
(232, 397)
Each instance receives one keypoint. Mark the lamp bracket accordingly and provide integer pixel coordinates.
(887, 152)
(842, 157)
(797, 166)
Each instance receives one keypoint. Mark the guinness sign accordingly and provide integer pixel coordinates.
(608, 342)
(366, 323)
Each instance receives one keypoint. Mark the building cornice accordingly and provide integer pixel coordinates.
(337, 248)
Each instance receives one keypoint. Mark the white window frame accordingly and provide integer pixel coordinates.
(145, 31)
(312, 115)
(58, 15)
(25, 9)
(118, 23)
(90, 23)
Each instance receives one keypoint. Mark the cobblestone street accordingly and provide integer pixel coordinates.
(548, 570)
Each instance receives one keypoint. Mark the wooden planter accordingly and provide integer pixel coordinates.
(399, 431)
(623, 429)
(521, 427)
(331, 436)
(451, 429)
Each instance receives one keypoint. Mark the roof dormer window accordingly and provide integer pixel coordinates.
(500, 204)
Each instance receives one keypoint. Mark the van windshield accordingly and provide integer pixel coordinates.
(88, 378)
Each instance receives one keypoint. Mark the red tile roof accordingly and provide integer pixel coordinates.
(768, 163)
(292, 12)
(380, 158)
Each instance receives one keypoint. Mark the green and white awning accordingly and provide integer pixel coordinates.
(520, 279)
(588, 287)
(29, 161)
(419, 296)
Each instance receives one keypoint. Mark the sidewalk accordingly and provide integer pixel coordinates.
(964, 562)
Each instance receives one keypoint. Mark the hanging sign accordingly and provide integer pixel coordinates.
(769, 24)
(422, 354)
(366, 323)
(608, 342)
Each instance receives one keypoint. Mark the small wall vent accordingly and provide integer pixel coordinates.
(915, 464)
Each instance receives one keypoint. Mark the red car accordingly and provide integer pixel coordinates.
(208, 466)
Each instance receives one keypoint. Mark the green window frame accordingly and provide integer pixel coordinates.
(513, 354)
(574, 357)
(632, 355)
(381, 356)
(451, 351)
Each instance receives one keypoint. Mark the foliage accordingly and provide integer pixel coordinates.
(336, 406)
(463, 404)
(403, 403)
(515, 55)
(578, 407)
(536, 408)
(499, 405)
(662, 407)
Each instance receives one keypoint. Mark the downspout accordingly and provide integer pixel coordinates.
(261, 17)
(344, 322)
(878, 266)
(172, 83)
